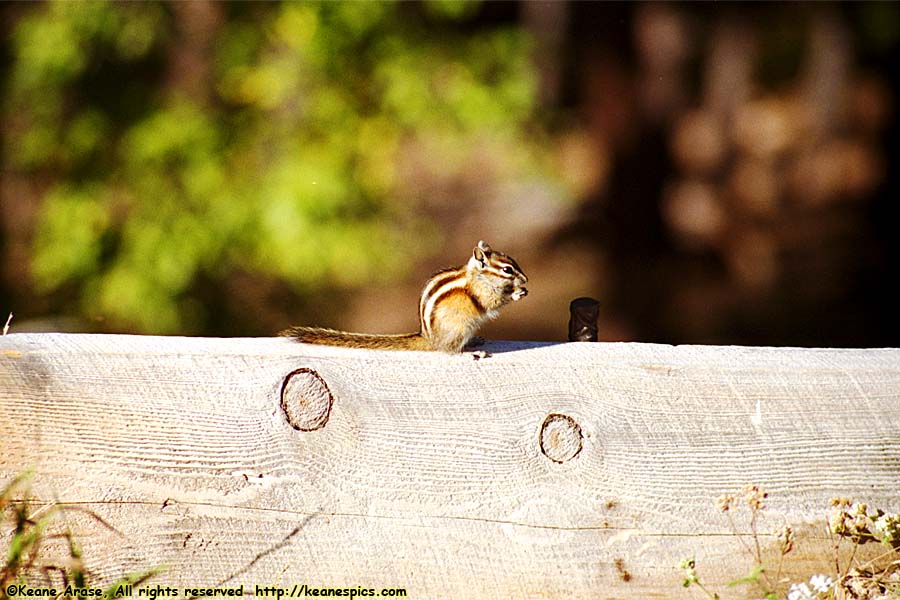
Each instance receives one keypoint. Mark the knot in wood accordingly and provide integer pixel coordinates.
(306, 400)
(561, 438)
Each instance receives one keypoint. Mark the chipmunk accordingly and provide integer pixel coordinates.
(454, 304)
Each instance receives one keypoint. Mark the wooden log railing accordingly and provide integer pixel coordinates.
(542, 471)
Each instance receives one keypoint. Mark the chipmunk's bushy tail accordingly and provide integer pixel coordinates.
(331, 337)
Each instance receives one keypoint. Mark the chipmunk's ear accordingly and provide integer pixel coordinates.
(480, 254)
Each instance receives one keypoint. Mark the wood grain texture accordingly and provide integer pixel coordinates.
(429, 474)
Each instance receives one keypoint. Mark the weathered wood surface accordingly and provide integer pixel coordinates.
(428, 473)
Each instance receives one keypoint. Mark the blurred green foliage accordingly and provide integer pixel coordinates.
(286, 165)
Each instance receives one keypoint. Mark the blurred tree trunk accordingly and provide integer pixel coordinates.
(190, 71)
(547, 22)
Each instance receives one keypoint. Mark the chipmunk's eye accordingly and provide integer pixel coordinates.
(508, 270)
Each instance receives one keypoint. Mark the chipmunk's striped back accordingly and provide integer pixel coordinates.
(453, 305)
(439, 287)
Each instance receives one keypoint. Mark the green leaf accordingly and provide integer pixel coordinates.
(68, 241)
(752, 577)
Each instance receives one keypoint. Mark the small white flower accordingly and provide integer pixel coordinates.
(821, 583)
(887, 528)
(800, 591)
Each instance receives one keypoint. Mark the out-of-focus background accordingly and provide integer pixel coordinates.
(711, 173)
